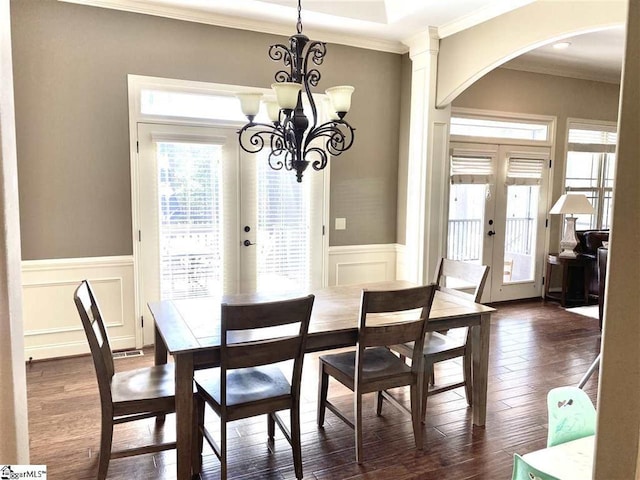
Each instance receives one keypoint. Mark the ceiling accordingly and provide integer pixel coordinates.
(386, 24)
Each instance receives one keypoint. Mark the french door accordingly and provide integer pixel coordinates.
(215, 220)
(497, 214)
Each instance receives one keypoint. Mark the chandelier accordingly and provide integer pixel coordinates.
(295, 140)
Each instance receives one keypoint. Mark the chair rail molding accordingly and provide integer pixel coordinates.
(52, 327)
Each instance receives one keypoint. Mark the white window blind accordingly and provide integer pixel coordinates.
(284, 241)
(592, 138)
(471, 169)
(525, 171)
(190, 219)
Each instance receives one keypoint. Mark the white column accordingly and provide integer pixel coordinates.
(428, 163)
(14, 446)
(618, 432)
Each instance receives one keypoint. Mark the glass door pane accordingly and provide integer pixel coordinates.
(520, 233)
(190, 220)
(466, 217)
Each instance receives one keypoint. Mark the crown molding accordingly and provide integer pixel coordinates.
(210, 18)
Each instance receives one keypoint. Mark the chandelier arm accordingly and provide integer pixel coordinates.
(322, 161)
(337, 140)
(255, 139)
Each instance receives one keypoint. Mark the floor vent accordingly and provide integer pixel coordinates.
(128, 353)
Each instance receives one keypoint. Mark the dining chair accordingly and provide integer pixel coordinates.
(523, 471)
(465, 280)
(372, 367)
(124, 396)
(255, 341)
(571, 415)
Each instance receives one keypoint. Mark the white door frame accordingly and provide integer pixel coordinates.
(492, 142)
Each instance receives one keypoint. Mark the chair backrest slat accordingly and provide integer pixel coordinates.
(416, 301)
(262, 315)
(255, 354)
(97, 336)
(472, 275)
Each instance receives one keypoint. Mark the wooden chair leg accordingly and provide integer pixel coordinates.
(106, 438)
(323, 386)
(357, 424)
(416, 414)
(271, 431)
(296, 444)
(379, 403)
(223, 448)
(468, 381)
(428, 372)
(196, 458)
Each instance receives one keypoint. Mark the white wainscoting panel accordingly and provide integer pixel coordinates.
(362, 263)
(52, 327)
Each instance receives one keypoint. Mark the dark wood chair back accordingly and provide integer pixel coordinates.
(471, 275)
(415, 302)
(97, 337)
(251, 324)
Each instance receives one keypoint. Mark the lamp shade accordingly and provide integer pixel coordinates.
(287, 94)
(273, 110)
(250, 103)
(572, 203)
(340, 97)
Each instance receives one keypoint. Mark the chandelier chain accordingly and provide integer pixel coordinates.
(299, 24)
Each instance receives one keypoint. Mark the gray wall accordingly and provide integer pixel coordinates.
(70, 66)
(532, 93)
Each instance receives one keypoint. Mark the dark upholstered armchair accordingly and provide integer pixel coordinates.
(589, 241)
(603, 253)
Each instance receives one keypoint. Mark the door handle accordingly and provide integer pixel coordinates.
(491, 233)
(247, 243)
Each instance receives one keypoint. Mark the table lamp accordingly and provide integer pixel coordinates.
(570, 204)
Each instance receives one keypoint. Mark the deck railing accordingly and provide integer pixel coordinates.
(464, 241)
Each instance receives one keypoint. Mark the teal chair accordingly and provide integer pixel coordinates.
(571, 415)
(523, 471)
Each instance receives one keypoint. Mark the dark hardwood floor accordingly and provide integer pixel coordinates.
(535, 346)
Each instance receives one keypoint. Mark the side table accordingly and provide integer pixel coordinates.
(553, 259)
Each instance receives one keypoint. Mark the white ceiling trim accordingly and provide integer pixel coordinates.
(209, 18)
(479, 16)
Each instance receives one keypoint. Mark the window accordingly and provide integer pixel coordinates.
(590, 170)
(468, 126)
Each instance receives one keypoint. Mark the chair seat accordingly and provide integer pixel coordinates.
(143, 384)
(378, 363)
(244, 385)
(434, 344)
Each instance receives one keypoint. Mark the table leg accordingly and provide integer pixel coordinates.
(184, 413)
(480, 357)
(565, 283)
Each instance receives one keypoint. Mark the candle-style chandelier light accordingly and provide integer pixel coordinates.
(296, 141)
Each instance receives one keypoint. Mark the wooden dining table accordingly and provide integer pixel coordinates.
(190, 331)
